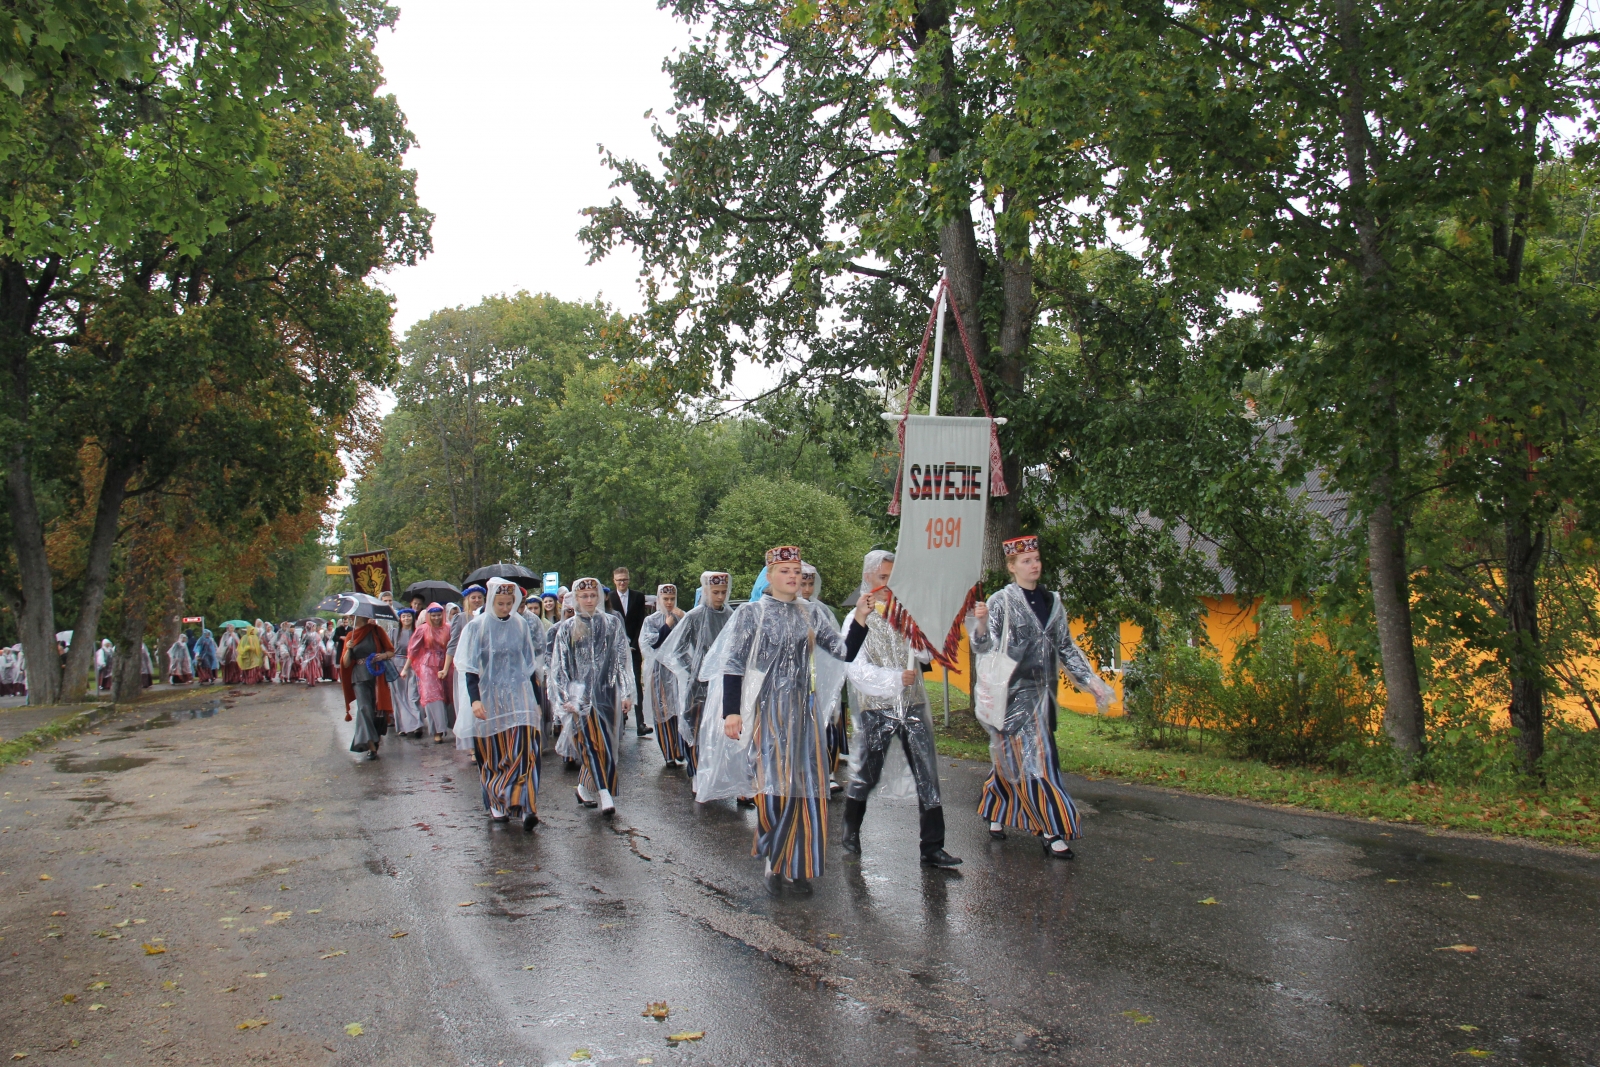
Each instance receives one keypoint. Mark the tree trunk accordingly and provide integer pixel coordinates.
(113, 491)
(1523, 551)
(127, 668)
(20, 303)
(1391, 603)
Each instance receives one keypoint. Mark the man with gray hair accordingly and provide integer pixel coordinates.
(889, 702)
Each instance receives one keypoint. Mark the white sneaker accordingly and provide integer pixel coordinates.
(607, 805)
(586, 796)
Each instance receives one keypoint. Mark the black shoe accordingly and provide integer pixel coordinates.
(1064, 854)
(774, 882)
(801, 886)
(852, 841)
(529, 821)
(745, 802)
(372, 755)
(499, 818)
(647, 731)
(835, 787)
(940, 858)
(997, 835)
(582, 803)
(570, 765)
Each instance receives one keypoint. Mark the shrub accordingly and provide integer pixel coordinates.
(1291, 699)
(1172, 690)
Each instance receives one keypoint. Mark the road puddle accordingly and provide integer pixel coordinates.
(71, 764)
(173, 717)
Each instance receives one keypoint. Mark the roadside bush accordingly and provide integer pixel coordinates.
(1173, 694)
(1291, 699)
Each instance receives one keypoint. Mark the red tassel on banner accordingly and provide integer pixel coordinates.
(997, 477)
(901, 622)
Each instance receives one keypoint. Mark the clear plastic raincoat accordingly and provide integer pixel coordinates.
(683, 652)
(504, 654)
(591, 672)
(1022, 748)
(782, 748)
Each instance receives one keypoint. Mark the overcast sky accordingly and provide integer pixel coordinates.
(508, 99)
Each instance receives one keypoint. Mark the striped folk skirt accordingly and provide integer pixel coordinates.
(508, 763)
(1036, 805)
(597, 750)
(792, 834)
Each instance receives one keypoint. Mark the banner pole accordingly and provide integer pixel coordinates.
(938, 352)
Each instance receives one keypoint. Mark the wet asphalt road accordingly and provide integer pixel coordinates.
(270, 872)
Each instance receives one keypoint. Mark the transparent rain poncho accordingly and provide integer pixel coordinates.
(465, 725)
(591, 672)
(685, 649)
(782, 746)
(504, 654)
(828, 683)
(660, 684)
(891, 718)
(1021, 749)
(178, 659)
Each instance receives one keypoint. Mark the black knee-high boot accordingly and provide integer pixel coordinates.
(854, 812)
(932, 830)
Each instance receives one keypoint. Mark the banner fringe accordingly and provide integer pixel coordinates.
(901, 622)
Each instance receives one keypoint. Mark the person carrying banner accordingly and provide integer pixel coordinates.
(501, 652)
(659, 684)
(890, 704)
(1027, 626)
(683, 653)
(362, 676)
(811, 593)
(764, 659)
(592, 685)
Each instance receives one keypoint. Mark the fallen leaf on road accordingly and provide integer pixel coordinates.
(354, 1029)
(656, 1009)
(314, 911)
(190, 826)
(251, 1024)
(1468, 1027)
(281, 870)
(263, 974)
(1138, 1016)
(95, 987)
(137, 885)
(69, 998)
(1457, 948)
(102, 885)
(44, 878)
(502, 870)
(96, 1007)
(58, 915)
(1391, 881)
(644, 1059)
(687, 1035)
(581, 1054)
(1476, 1053)
(1442, 885)
(123, 925)
(19, 1055)
(169, 984)
(1209, 900)
(397, 933)
(530, 967)
(835, 935)
(276, 996)
(481, 885)
(231, 989)
(154, 950)
(466, 904)
(330, 955)
(165, 1004)
(1473, 896)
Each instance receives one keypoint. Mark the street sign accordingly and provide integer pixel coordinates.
(552, 582)
(338, 570)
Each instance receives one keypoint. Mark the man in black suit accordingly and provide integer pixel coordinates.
(620, 600)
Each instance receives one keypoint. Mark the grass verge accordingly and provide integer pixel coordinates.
(24, 745)
(1102, 748)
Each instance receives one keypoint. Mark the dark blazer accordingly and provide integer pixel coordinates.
(633, 618)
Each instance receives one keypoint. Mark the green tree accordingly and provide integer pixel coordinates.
(760, 513)
(184, 267)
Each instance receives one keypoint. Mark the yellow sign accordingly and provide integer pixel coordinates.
(338, 570)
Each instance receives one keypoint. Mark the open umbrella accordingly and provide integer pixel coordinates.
(240, 624)
(511, 572)
(432, 591)
(360, 605)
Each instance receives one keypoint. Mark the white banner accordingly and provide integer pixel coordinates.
(944, 501)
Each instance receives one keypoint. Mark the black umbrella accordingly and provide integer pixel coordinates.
(432, 591)
(358, 604)
(511, 572)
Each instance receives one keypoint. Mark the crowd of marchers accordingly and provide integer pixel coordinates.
(750, 699)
